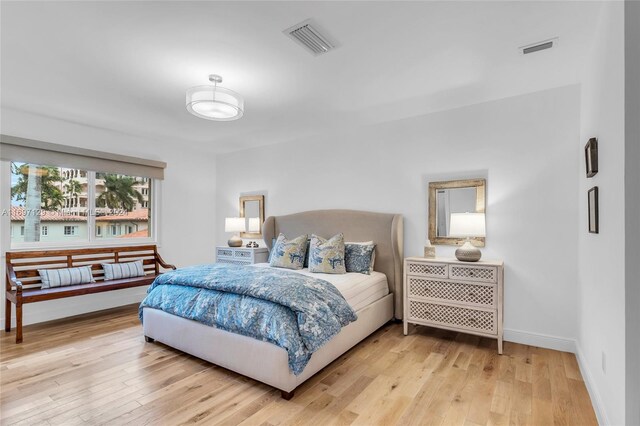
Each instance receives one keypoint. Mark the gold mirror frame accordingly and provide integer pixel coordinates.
(480, 185)
(260, 199)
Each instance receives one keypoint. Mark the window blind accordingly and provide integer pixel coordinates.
(45, 153)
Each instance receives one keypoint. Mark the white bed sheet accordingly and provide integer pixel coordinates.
(359, 290)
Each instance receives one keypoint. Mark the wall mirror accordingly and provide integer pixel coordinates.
(457, 212)
(252, 208)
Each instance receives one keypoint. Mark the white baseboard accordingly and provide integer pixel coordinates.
(46, 311)
(596, 399)
(563, 344)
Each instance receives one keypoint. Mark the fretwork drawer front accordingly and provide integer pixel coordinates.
(485, 321)
(435, 270)
(477, 294)
(487, 274)
(234, 261)
(224, 252)
(242, 254)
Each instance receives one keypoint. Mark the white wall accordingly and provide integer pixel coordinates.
(524, 146)
(601, 268)
(632, 208)
(187, 218)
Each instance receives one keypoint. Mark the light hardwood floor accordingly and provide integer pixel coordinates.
(97, 369)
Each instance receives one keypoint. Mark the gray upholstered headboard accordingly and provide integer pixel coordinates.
(385, 229)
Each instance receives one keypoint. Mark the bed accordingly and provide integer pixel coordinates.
(269, 363)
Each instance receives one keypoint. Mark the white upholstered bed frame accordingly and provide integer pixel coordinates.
(267, 362)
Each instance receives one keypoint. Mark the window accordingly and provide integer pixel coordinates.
(70, 230)
(62, 204)
(40, 203)
(122, 204)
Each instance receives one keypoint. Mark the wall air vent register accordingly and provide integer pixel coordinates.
(308, 35)
(539, 46)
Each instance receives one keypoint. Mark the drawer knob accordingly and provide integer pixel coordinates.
(472, 294)
(471, 273)
(471, 320)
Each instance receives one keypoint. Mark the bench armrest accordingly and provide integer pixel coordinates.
(12, 279)
(164, 264)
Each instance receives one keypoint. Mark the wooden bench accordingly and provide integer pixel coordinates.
(24, 286)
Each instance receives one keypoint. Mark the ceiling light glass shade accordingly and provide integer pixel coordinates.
(214, 103)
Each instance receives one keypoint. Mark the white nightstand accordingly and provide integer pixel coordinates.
(241, 255)
(454, 295)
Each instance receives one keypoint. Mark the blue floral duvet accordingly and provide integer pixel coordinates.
(296, 312)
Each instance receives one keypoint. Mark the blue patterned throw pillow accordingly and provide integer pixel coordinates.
(289, 253)
(327, 256)
(66, 276)
(359, 257)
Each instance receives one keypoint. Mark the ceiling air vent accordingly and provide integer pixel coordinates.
(307, 35)
(537, 47)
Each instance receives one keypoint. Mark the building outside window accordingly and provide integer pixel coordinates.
(44, 230)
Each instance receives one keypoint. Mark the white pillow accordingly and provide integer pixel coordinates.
(116, 271)
(66, 276)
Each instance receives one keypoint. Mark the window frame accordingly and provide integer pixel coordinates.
(91, 240)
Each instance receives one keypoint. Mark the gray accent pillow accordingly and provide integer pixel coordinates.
(289, 253)
(327, 256)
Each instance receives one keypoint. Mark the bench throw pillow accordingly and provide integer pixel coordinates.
(66, 276)
(117, 271)
(327, 256)
(359, 257)
(289, 253)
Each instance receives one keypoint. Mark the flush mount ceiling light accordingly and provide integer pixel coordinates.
(214, 102)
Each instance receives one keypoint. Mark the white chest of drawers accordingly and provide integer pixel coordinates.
(455, 295)
(241, 255)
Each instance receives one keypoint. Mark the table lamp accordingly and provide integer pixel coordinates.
(467, 225)
(235, 224)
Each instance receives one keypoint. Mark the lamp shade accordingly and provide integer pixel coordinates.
(254, 224)
(234, 224)
(467, 225)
